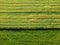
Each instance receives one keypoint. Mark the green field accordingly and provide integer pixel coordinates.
(33, 37)
(29, 14)
(44, 20)
(30, 6)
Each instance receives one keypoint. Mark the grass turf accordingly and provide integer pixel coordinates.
(48, 9)
(30, 13)
(30, 37)
(45, 20)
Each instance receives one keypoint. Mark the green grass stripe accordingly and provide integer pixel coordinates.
(30, 19)
(31, 1)
(40, 6)
(33, 37)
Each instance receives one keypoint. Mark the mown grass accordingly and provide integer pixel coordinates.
(16, 13)
(31, 1)
(27, 14)
(46, 20)
(29, 6)
(30, 37)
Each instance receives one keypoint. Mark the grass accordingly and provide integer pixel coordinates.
(32, 1)
(30, 20)
(29, 14)
(30, 37)
(29, 6)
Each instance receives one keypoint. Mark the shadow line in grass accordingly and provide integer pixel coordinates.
(24, 29)
(49, 12)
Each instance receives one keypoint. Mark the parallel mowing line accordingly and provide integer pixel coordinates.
(32, 17)
(29, 10)
(29, 26)
(26, 10)
(29, 23)
(30, 4)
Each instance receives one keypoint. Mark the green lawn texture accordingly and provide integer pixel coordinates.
(27, 37)
(30, 14)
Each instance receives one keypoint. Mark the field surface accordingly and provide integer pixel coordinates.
(29, 14)
(27, 37)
